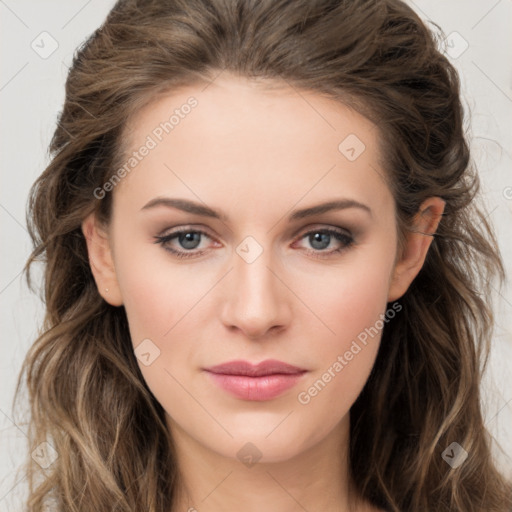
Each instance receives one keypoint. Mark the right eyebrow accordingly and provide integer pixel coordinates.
(186, 206)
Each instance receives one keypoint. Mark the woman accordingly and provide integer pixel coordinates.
(266, 276)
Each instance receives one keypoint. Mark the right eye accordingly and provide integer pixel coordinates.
(187, 239)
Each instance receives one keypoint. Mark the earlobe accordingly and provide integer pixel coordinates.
(101, 260)
(417, 243)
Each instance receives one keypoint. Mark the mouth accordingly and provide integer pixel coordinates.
(259, 382)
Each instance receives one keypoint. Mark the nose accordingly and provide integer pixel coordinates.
(257, 302)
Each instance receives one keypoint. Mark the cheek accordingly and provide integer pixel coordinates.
(354, 308)
(351, 298)
(163, 308)
(157, 293)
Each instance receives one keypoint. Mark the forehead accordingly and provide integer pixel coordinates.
(230, 104)
(236, 134)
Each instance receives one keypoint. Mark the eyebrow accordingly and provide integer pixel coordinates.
(205, 211)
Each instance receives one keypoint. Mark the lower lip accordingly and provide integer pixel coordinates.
(256, 388)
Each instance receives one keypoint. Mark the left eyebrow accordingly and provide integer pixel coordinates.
(341, 204)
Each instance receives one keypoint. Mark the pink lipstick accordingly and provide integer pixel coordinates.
(257, 382)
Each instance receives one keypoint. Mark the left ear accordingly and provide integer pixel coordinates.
(417, 242)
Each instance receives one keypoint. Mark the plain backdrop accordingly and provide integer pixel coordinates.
(38, 39)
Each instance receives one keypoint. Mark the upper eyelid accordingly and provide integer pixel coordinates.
(330, 230)
(300, 233)
(183, 229)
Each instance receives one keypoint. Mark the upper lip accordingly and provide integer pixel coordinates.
(267, 367)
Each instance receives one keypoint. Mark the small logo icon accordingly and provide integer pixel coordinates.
(249, 455)
(44, 45)
(454, 455)
(146, 352)
(351, 147)
(249, 249)
(45, 455)
(456, 45)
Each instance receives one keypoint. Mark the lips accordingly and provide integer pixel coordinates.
(259, 382)
(268, 367)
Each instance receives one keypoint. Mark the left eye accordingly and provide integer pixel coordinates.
(321, 239)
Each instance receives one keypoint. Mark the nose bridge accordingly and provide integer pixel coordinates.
(257, 300)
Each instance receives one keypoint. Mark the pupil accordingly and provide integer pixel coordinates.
(189, 240)
(320, 240)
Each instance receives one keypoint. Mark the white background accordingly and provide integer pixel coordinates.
(32, 93)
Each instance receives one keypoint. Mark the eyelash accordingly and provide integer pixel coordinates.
(346, 240)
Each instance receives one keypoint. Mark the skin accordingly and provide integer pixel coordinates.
(257, 154)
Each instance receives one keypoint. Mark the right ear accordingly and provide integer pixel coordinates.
(101, 260)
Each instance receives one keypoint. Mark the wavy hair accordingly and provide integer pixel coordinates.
(87, 396)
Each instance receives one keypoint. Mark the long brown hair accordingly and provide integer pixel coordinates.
(87, 396)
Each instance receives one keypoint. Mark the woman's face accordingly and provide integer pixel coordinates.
(261, 271)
